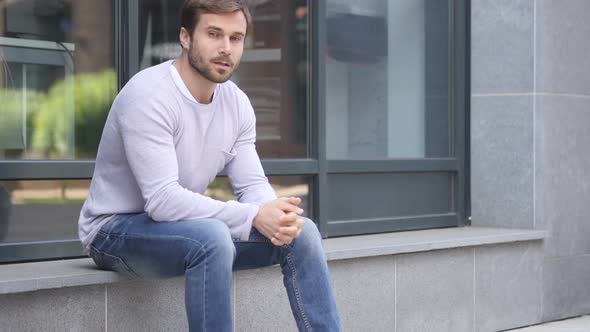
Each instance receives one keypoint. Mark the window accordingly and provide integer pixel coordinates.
(361, 109)
(392, 112)
(58, 78)
(58, 81)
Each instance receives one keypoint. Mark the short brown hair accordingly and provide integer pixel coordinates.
(192, 9)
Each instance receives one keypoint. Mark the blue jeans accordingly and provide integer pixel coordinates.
(203, 251)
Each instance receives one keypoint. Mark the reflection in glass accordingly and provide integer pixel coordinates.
(284, 186)
(273, 71)
(58, 78)
(41, 210)
(387, 79)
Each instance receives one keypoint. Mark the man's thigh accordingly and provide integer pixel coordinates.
(135, 244)
(258, 251)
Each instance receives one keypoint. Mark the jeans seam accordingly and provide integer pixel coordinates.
(205, 289)
(297, 294)
(125, 265)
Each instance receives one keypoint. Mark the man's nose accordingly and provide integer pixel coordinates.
(225, 47)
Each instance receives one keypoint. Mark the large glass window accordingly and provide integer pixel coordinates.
(360, 105)
(273, 71)
(393, 81)
(387, 79)
(58, 77)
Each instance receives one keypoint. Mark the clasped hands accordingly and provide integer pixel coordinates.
(279, 220)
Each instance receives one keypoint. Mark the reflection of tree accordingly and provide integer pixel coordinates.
(12, 102)
(93, 95)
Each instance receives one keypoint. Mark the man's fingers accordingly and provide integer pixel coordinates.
(288, 219)
(277, 242)
(283, 238)
(291, 231)
(291, 200)
(299, 223)
(288, 207)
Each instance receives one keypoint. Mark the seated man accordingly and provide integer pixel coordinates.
(170, 130)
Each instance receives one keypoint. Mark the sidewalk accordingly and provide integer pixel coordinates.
(577, 324)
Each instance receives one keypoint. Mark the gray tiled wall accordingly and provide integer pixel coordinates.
(502, 161)
(502, 82)
(530, 113)
(562, 118)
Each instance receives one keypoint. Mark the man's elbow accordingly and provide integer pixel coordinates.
(158, 211)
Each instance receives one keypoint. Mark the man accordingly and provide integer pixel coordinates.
(170, 130)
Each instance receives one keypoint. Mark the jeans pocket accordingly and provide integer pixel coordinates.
(109, 262)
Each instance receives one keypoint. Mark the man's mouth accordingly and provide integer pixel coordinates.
(222, 64)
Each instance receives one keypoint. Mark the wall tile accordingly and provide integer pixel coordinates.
(365, 293)
(502, 161)
(156, 305)
(435, 291)
(566, 291)
(502, 46)
(563, 177)
(508, 286)
(62, 309)
(562, 46)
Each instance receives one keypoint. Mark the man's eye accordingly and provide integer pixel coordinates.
(236, 38)
(213, 34)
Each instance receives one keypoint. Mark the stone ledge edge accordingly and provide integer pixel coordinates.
(80, 272)
(439, 239)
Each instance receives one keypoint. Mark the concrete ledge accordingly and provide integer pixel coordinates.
(424, 240)
(24, 277)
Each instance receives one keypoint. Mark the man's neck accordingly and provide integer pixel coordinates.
(200, 88)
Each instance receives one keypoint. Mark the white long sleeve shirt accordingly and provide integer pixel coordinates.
(160, 149)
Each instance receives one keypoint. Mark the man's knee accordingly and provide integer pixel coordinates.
(310, 237)
(213, 239)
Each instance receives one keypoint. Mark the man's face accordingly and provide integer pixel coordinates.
(217, 44)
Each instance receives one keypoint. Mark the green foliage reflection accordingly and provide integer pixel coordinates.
(86, 97)
(64, 122)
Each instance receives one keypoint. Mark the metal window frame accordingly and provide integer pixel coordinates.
(318, 167)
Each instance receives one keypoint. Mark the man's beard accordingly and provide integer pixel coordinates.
(198, 63)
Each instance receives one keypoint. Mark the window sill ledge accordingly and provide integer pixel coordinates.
(25, 277)
(424, 240)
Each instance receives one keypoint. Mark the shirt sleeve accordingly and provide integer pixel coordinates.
(147, 131)
(245, 171)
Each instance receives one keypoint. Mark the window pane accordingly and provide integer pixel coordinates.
(41, 210)
(387, 79)
(389, 195)
(283, 185)
(273, 71)
(58, 77)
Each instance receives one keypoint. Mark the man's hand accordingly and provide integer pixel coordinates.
(277, 220)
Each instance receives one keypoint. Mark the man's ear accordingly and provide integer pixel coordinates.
(185, 38)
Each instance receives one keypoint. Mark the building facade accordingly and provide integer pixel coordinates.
(439, 146)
